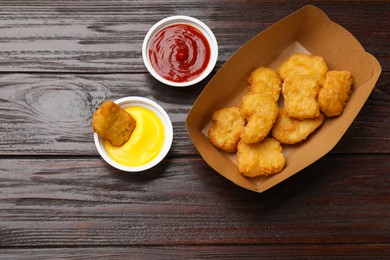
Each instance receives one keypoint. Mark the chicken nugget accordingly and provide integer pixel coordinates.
(265, 81)
(263, 158)
(226, 129)
(301, 64)
(113, 123)
(300, 97)
(335, 93)
(260, 112)
(288, 130)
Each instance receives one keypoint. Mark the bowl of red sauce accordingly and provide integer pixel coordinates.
(180, 51)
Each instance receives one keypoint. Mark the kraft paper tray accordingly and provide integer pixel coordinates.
(307, 30)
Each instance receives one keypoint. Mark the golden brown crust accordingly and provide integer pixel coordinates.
(265, 81)
(226, 129)
(263, 158)
(288, 130)
(300, 81)
(260, 112)
(335, 93)
(113, 123)
(301, 64)
(300, 97)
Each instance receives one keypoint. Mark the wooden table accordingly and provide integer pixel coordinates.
(58, 199)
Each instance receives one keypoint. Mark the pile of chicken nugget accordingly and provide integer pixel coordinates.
(257, 128)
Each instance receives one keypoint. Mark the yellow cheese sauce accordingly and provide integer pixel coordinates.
(145, 142)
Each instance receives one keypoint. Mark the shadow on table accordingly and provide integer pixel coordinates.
(144, 176)
(312, 181)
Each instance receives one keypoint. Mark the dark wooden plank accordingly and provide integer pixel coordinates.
(316, 251)
(50, 114)
(74, 36)
(372, 123)
(84, 202)
(58, 199)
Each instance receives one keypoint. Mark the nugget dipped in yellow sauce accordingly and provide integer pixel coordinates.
(335, 92)
(226, 128)
(265, 81)
(111, 122)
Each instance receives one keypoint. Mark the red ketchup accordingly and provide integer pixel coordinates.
(179, 52)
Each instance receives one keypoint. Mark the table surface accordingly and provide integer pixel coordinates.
(58, 199)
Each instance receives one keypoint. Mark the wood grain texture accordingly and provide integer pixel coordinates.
(85, 202)
(51, 114)
(74, 36)
(59, 200)
(316, 251)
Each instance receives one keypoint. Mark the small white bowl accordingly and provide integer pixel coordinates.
(160, 112)
(180, 19)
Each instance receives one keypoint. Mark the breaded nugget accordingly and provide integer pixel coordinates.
(226, 129)
(335, 93)
(288, 130)
(265, 81)
(300, 97)
(113, 123)
(301, 64)
(263, 158)
(260, 112)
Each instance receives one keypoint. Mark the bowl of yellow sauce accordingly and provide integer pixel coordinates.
(148, 144)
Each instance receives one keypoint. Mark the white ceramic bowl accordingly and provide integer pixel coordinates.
(160, 112)
(180, 19)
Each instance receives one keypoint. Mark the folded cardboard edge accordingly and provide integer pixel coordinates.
(194, 131)
(308, 9)
(212, 155)
(377, 68)
(232, 176)
(364, 90)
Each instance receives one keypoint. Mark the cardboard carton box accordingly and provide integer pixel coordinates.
(308, 30)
